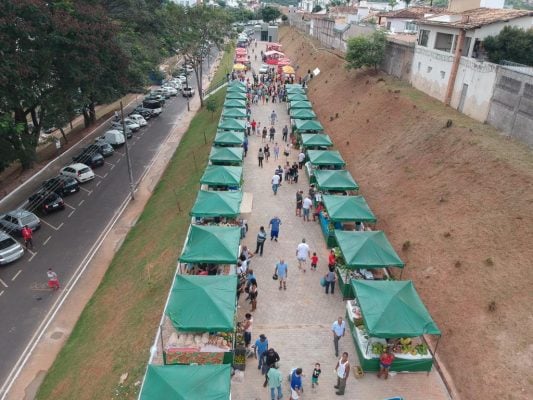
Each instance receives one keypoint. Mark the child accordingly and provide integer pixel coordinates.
(316, 374)
(314, 262)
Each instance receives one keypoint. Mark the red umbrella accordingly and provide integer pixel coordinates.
(284, 61)
(272, 61)
(240, 50)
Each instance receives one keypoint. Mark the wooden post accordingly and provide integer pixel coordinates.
(455, 67)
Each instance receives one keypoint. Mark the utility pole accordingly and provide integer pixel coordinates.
(128, 160)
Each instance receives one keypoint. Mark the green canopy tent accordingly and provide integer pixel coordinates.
(392, 309)
(302, 113)
(294, 87)
(367, 249)
(239, 113)
(236, 82)
(314, 140)
(222, 175)
(232, 124)
(214, 299)
(182, 382)
(308, 125)
(300, 104)
(226, 155)
(229, 138)
(335, 180)
(348, 209)
(297, 97)
(211, 245)
(217, 204)
(236, 89)
(325, 157)
(234, 103)
(236, 96)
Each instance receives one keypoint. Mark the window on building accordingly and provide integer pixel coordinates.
(423, 38)
(466, 46)
(429, 69)
(478, 51)
(411, 26)
(444, 42)
(442, 74)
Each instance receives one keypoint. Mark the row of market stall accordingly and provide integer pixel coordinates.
(272, 57)
(198, 343)
(381, 311)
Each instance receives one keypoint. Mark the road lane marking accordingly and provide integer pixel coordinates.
(3, 283)
(55, 228)
(98, 183)
(70, 214)
(100, 176)
(32, 255)
(17, 274)
(48, 238)
(112, 166)
(81, 202)
(86, 190)
(68, 205)
(2, 292)
(108, 163)
(119, 160)
(118, 152)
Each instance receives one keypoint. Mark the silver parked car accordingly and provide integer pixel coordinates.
(10, 249)
(14, 221)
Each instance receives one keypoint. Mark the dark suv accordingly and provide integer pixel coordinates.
(62, 185)
(90, 158)
(105, 149)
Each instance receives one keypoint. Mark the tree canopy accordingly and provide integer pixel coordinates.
(366, 51)
(511, 44)
(269, 13)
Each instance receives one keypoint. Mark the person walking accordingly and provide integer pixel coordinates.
(27, 235)
(287, 151)
(316, 373)
(274, 227)
(261, 237)
(296, 384)
(253, 292)
(271, 358)
(302, 252)
(285, 133)
(274, 383)
(301, 159)
(53, 281)
(253, 125)
(385, 362)
(266, 150)
(343, 371)
(247, 330)
(314, 262)
(299, 201)
(264, 134)
(260, 349)
(339, 329)
(276, 151)
(332, 259)
(275, 185)
(273, 117)
(245, 146)
(248, 128)
(330, 278)
(281, 271)
(307, 203)
(260, 156)
(271, 132)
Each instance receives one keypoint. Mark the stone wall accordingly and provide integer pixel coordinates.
(398, 59)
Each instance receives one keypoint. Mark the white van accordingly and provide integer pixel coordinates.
(114, 138)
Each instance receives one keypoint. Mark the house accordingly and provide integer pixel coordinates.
(405, 20)
(449, 62)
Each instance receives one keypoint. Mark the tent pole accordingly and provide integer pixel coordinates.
(436, 346)
(162, 345)
(401, 273)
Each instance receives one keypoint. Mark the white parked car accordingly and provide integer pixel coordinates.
(10, 249)
(137, 118)
(134, 126)
(80, 172)
(171, 89)
(263, 69)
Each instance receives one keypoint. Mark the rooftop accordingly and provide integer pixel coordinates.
(413, 12)
(475, 18)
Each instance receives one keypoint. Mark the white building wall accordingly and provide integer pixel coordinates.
(430, 73)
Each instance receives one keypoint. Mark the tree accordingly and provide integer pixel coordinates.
(392, 4)
(366, 51)
(221, 3)
(511, 44)
(407, 2)
(211, 106)
(284, 18)
(269, 14)
(317, 8)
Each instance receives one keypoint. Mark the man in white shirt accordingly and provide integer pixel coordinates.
(343, 371)
(339, 329)
(302, 253)
(275, 183)
(306, 206)
(301, 159)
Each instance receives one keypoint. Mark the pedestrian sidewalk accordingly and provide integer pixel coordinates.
(297, 322)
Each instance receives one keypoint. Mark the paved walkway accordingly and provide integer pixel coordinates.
(297, 322)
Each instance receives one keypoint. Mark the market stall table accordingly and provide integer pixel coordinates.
(385, 312)
(334, 181)
(226, 155)
(340, 210)
(363, 252)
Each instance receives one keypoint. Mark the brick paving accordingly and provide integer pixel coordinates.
(297, 321)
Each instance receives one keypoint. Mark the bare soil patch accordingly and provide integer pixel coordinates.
(463, 198)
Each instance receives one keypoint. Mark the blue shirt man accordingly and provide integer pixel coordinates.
(296, 383)
(274, 230)
(281, 271)
(261, 346)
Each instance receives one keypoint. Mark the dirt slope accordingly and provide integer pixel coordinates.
(462, 199)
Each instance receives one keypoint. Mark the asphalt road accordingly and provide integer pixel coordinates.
(66, 237)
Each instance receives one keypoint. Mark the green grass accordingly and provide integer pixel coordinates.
(116, 329)
(226, 64)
